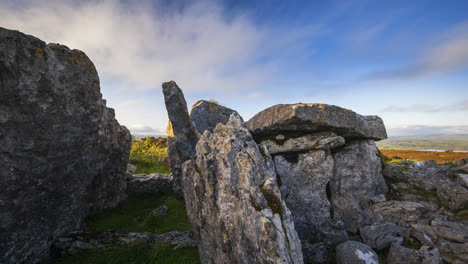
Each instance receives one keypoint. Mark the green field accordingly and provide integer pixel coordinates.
(439, 142)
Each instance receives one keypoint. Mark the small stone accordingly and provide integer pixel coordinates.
(353, 252)
(131, 168)
(380, 235)
(161, 211)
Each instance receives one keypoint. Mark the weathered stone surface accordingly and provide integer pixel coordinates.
(403, 211)
(155, 183)
(357, 182)
(379, 235)
(182, 135)
(234, 203)
(456, 253)
(206, 115)
(323, 140)
(314, 253)
(305, 185)
(401, 255)
(63, 155)
(308, 118)
(78, 241)
(353, 252)
(430, 176)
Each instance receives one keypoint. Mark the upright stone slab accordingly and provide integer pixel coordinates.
(206, 115)
(357, 182)
(301, 119)
(182, 135)
(62, 153)
(234, 203)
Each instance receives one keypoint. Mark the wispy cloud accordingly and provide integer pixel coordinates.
(141, 45)
(449, 53)
(138, 129)
(459, 106)
(427, 130)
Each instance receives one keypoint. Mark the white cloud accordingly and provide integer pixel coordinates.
(141, 45)
(138, 129)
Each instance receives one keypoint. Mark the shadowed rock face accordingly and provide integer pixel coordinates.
(182, 135)
(63, 155)
(234, 203)
(206, 115)
(307, 118)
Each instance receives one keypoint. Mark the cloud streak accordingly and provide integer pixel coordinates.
(141, 45)
(449, 53)
(427, 130)
(459, 106)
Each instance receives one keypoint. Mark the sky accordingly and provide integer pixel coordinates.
(405, 61)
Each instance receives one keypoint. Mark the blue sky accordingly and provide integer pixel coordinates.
(406, 61)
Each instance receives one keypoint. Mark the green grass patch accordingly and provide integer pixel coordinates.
(148, 163)
(136, 215)
(138, 253)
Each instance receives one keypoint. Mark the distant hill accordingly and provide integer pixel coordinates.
(439, 142)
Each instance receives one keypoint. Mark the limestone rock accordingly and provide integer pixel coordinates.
(63, 154)
(206, 115)
(353, 252)
(155, 183)
(308, 118)
(305, 185)
(234, 203)
(357, 182)
(182, 135)
(379, 235)
(401, 255)
(323, 140)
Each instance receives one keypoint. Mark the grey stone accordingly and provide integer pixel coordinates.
(314, 253)
(63, 154)
(403, 211)
(234, 203)
(131, 168)
(323, 140)
(456, 253)
(357, 182)
(161, 211)
(379, 235)
(78, 241)
(353, 252)
(304, 185)
(182, 135)
(154, 184)
(308, 118)
(401, 255)
(206, 115)
(453, 195)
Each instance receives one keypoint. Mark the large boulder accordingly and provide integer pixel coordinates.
(357, 183)
(206, 115)
(234, 203)
(182, 135)
(308, 118)
(63, 155)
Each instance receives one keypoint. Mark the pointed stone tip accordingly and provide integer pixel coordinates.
(169, 84)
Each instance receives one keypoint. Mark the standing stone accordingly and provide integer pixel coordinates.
(357, 181)
(308, 118)
(182, 136)
(206, 115)
(234, 203)
(62, 154)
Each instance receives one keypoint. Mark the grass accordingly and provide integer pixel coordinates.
(147, 164)
(138, 253)
(136, 215)
(149, 155)
(394, 155)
